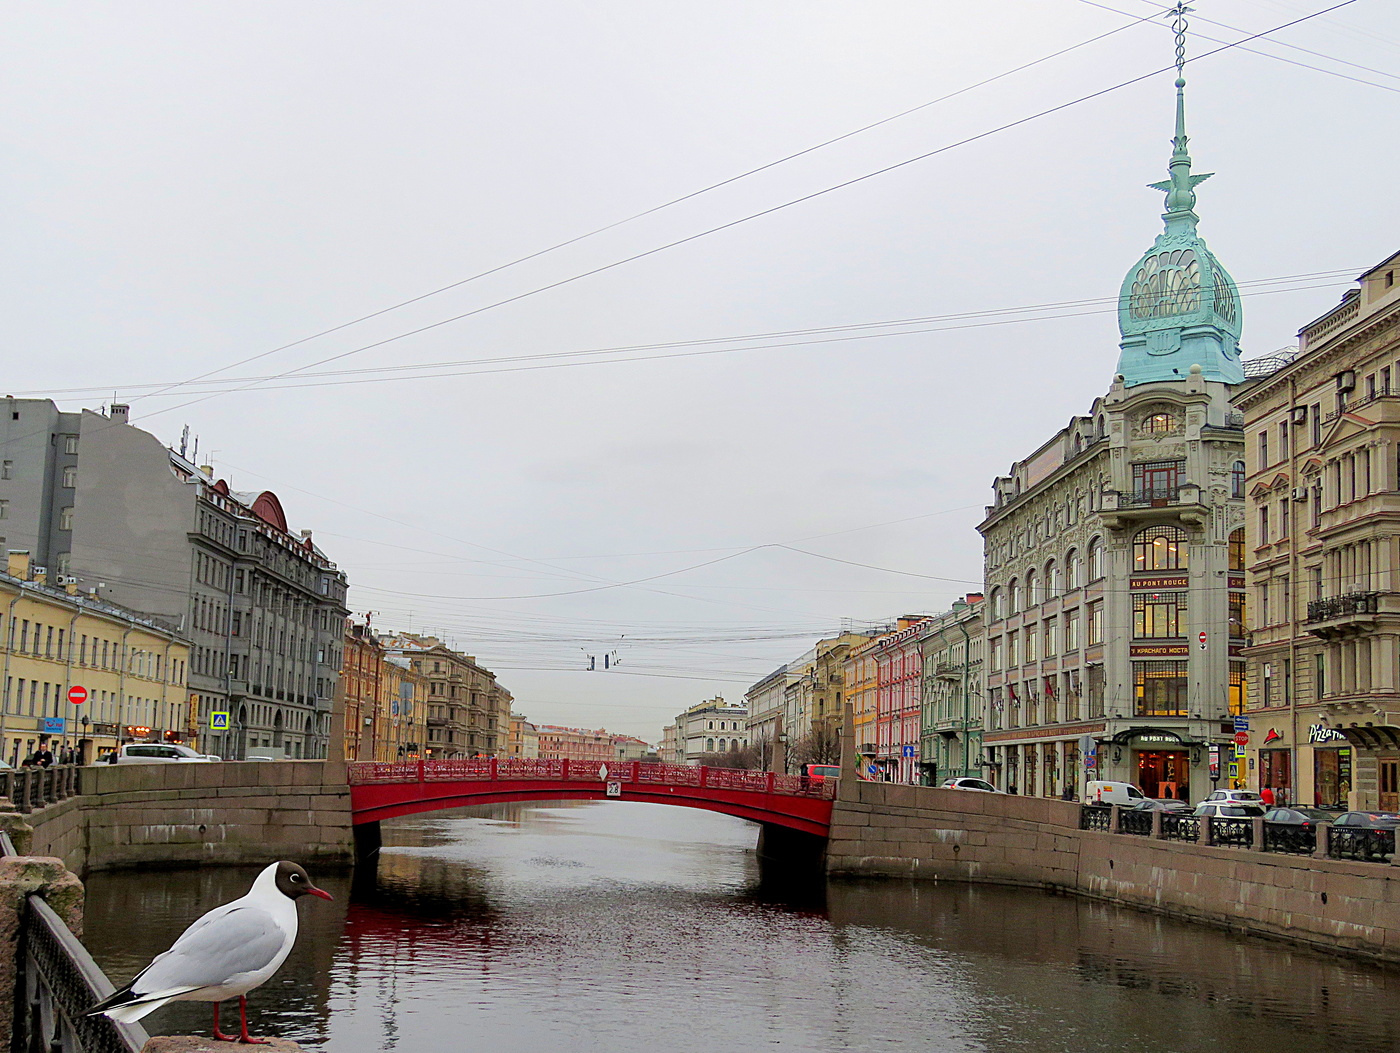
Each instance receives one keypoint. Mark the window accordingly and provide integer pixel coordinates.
(1032, 650)
(70, 476)
(994, 653)
(1160, 548)
(1237, 687)
(1095, 626)
(1071, 631)
(1237, 549)
(1385, 381)
(1052, 580)
(1013, 597)
(1237, 479)
(1159, 424)
(997, 605)
(1315, 414)
(1074, 570)
(4, 510)
(6, 467)
(1049, 638)
(1159, 615)
(70, 444)
(1095, 559)
(1012, 654)
(65, 518)
(1264, 525)
(1237, 615)
(1283, 448)
(1033, 590)
(1263, 450)
(1160, 688)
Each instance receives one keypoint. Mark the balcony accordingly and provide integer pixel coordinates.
(1348, 615)
(1126, 508)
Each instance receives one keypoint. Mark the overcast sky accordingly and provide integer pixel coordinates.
(187, 186)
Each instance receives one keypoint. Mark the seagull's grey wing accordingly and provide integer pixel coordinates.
(214, 950)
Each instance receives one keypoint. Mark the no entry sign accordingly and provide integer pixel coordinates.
(77, 695)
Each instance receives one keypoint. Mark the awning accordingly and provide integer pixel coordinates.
(1373, 737)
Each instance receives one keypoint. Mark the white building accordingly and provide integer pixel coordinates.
(712, 726)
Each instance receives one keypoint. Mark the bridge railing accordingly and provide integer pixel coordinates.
(639, 773)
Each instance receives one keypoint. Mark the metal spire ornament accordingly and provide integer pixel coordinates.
(1180, 184)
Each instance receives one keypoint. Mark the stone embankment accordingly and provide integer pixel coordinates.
(129, 815)
(887, 830)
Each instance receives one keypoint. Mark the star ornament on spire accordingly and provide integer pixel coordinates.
(1180, 186)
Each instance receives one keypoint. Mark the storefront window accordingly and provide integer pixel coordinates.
(1160, 548)
(1331, 777)
(1159, 615)
(1160, 688)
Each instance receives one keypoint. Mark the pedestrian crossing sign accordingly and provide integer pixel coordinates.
(218, 721)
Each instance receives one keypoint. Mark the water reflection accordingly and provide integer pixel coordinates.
(603, 926)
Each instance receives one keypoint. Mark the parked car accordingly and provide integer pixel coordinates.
(966, 783)
(1234, 795)
(1304, 817)
(1371, 820)
(1162, 804)
(821, 771)
(1230, 809)
(1107, 792)
(160, 753)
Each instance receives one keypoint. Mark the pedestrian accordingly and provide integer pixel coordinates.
(43, 757)
(1267, 796)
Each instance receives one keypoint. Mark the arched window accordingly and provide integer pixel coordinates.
(734, 746)
(1159, 423)
(1237, 479)
(721, 745)
(1013, 601)
(1032, 588)
(709, 745)
(1103, 427)
(1052, 580)
(1237, 549)
(1096, 559)
(1160, 548)
(1074, 570)
(997, 603)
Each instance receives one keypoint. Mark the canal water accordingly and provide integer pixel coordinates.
(633, 928)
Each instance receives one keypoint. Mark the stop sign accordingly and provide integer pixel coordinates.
(1241, 738)
(77, 695)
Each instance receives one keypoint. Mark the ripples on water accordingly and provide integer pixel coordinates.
(628, 928)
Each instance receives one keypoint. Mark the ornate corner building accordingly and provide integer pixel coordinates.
(1324, 489)
(1114, 553)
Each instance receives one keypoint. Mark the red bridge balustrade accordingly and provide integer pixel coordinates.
(387, 791)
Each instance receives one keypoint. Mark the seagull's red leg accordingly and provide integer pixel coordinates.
(219, 1035)
(243, 1018)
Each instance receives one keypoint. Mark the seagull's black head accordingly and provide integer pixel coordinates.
(293, 882)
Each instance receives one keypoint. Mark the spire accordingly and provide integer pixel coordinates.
(1180, 184)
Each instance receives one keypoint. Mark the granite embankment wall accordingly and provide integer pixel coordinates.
(129, 815)
(881, 829)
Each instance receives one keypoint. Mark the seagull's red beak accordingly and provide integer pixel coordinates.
(312, 890)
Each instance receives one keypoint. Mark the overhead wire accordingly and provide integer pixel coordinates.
(977, 137)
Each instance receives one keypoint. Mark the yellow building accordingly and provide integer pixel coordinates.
(403, 717)
(56, 645)
(860, 676)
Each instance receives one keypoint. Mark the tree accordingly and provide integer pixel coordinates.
(821, 745)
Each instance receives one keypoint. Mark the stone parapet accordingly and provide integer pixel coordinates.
(196, 1044)
(925, 833)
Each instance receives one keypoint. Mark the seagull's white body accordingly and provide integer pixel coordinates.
(225, 954)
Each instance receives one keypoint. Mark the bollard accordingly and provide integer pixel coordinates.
(1257, 835)
(1157, 824)
(1113, 819)
(1203, 831)
(1321, 847)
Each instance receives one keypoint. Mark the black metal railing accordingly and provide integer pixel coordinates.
(1180, 827)
(1238, 833)
(1361, 843)
(1095, 817)
(1132, 821)
(58, 982)
(31, 788)
(1293, 838)
(1343, 606)
(1153, 497)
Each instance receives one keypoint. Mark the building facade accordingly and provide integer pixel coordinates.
(403, 713)
(524, 738)
(953, 700)
(577, 745)
(1113, 554)
(360, 691)
(712, 726)
(109, 508)
(899, 669)
(130, 671)
(1322, 540)
(468, 710)
(669, 751)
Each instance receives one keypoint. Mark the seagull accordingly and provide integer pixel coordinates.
(223, 955)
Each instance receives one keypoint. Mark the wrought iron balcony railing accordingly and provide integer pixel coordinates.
(1156, 497)
(1343, 606)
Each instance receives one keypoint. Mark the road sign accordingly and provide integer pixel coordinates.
(53, 725)
(1091, 760)
(1239, 751)
(872, 770)
(614, 789)
(77, 695)
(908, 751)
(602, 773)
(1086, 743)
(1201, 637)
(1241, 738)
(218, 720)
(1241, 723)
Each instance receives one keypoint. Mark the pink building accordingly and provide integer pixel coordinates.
(899, 671)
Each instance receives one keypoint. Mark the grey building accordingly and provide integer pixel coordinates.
(107, 507)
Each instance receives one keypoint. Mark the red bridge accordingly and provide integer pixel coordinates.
(387, 791)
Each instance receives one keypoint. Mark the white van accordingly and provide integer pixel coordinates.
(1104, 792)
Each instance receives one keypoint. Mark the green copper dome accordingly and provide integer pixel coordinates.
(1178, 307)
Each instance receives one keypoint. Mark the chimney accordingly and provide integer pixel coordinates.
(18, 565)
(118, 412)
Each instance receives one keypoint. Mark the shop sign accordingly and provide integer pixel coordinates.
(1214, 761)
(1322, 733)
(1236, 581)
(1160, 581)
(1171, 650)
(53, 725)
(1170, 740)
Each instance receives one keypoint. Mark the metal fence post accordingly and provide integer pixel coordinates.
(1258, 833)
(1322, 831)
(1157, 824)
(1203, 831)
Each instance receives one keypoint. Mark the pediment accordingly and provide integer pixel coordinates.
(1347, 426)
